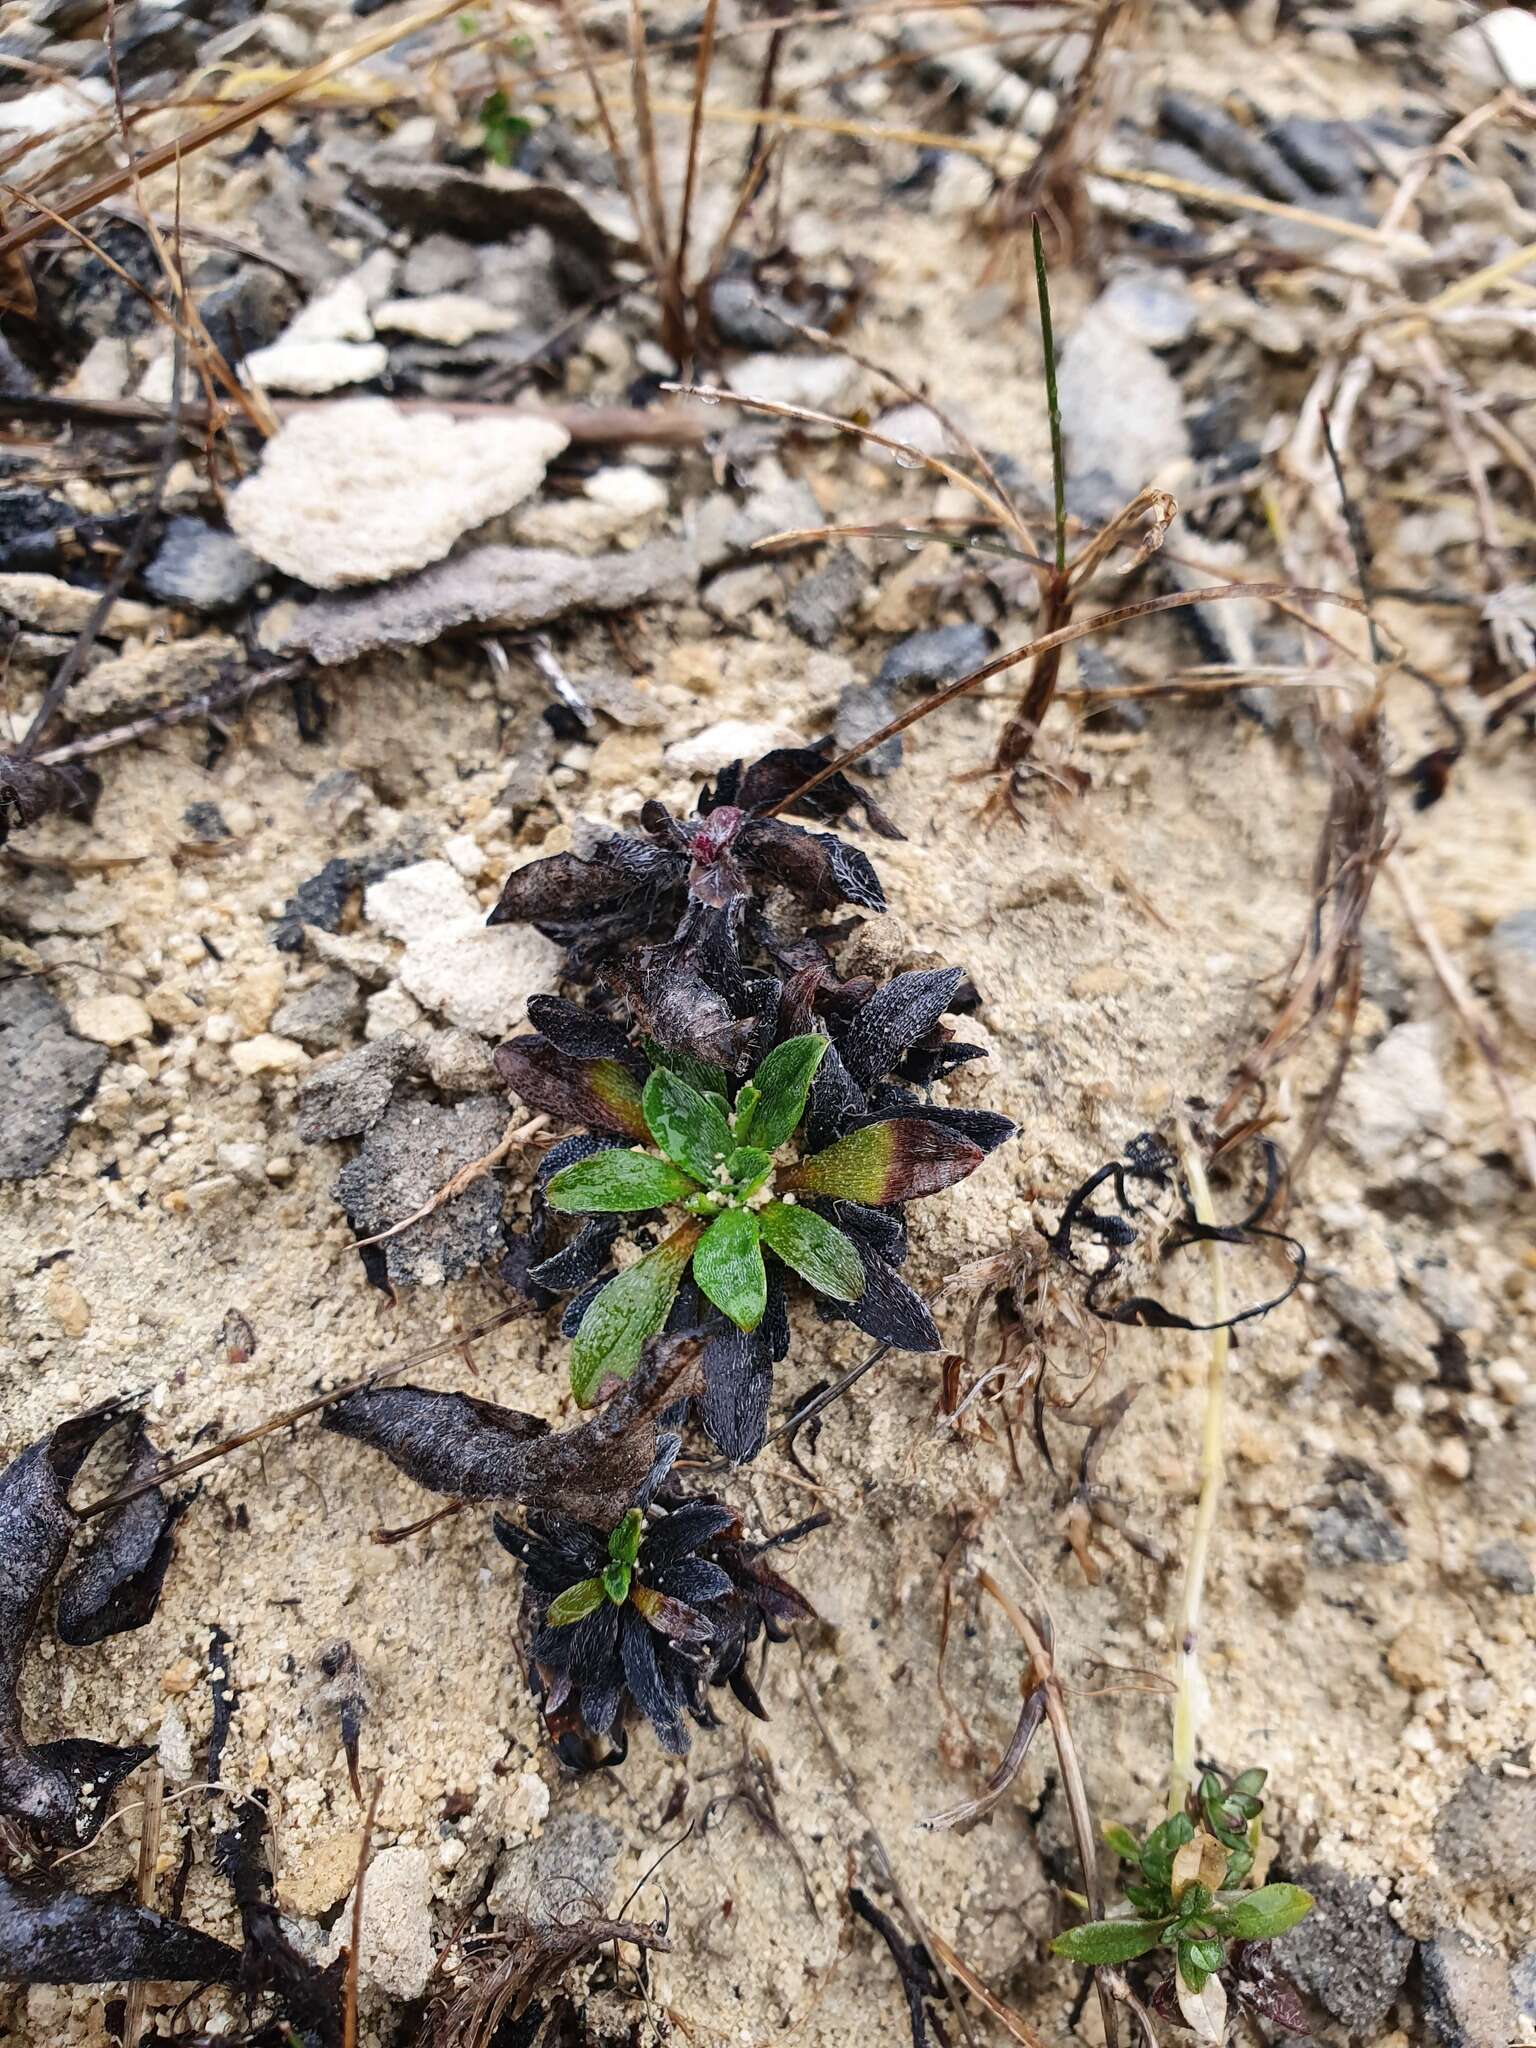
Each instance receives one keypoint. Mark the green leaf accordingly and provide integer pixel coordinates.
(575, 1603)
(1191, 1969)
(618, 1180)
(631, 1308)
(1148, 1899)
(1205, 1952)
(624, 1543)
(783, 1081)
(1272, 1910)
(824, 1256)
(1108, 1941)
(746, 1103)
(1194, 1901)
(893, 1161)
(728, 1267)
(1121, 1840)
(709, 1080)
(748, 1169)
(1249, 1784)
(688, 1127)
(1163, 1844)
(1239, 1863)
(616, 1582)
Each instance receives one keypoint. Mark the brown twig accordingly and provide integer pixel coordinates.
(349, 2007)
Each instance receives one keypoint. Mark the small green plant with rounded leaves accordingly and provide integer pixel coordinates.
(1187, 1897)
(723, 1164)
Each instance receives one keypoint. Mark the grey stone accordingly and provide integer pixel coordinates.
(1348, 1953)
(735, 594)
(725, 529)
(1122, 412)
(205, 822)
(941, 654)
(347, 1096)
(1209, 129)
(439, 263)
(1393, 1096)
(1325, 153)
(324, 1015)
(1512, 947)
(567, 1873)
(319, 900)
(249, 312)
(47, 1075)
(1506, 1566)
(434, 199)
(1392, 1330)
(497, 588)
(1485, 1836)
(1158, 308)
(862, 709)
(1096, 671)
(823, 600)
(1469, 1998)
(16, 380)
(1355, 1529)
(406, 1157)
(744, 316)
(202, 568)
(458, 1062)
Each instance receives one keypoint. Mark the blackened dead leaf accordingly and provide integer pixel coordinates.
(116, 1586)
(778, 774)
(473, 1449)
(309, 1998)
(345, 1693)
(46, 1785)
(62, 1937)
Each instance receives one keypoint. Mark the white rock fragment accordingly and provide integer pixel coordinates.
(629, 489)
(395, 1949)
(1122, 413)
(54, 606)
(1499, 49)
(111, 1020)
(175, 1745)
(449, 318)
(733, 739)
(819, 383)
(343, 312)
(479, 978)
(266, 1053)
(310, 369)
(360, 491)
(419, 900)
(1393, 1096)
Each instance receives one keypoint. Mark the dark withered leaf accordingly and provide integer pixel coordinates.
(116, 1586)
(602, 1093)
(657, 1699)
(52, 1936)
(822, 870)
(563, 889)
(579, 1033)
(574, 1312)
(474, 1450)
(501, 1977)
(1263, 1985)
(895, 1017)
(583, 1260)
(43, 1785)
(675, 1005)
(778, 773)
(984, 1127)
(310, 1998)
(836, 1102)
(887, 1310)
(737, 1371)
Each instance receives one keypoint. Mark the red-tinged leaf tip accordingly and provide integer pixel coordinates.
(896, 1161)
(601, 1094)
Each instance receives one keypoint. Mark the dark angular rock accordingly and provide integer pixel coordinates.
(320, 899)
(206, 823)
(1485, 1835)
(1469, 1998)
(1325, 153)
(248, 312)
(824, 600)
(325, 1015)
(1348, 1953)
(862, 709)
(201, 567)
(414, 1148)
(346, 1097)
(941, 654)
(1096, 671)
(1356, 1529)
(47, 1075)
(16, 380)
(1206, 128)
(1506, 1566)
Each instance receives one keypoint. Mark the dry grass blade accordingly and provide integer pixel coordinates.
(1011, 2021)
(705, 61)
(144, 1891)
(354, 1951)
(225, 123)
(1101, 622)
